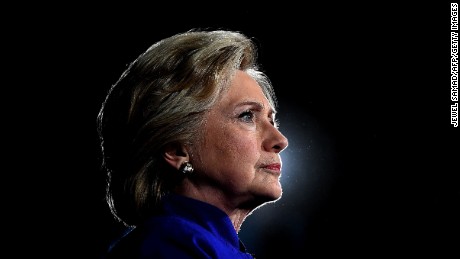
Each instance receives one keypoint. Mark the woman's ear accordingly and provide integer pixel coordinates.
(175, 154)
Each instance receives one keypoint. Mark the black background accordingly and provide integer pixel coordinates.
(364, 98)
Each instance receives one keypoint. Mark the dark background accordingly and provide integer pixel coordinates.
(364, 95)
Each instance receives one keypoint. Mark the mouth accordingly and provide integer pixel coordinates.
(273, 168)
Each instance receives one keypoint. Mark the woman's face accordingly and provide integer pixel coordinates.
(238, 158)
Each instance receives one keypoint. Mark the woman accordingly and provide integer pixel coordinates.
(191, 146)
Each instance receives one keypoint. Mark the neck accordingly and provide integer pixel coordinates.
(236, 209)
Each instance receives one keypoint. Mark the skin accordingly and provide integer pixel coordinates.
(237, 163)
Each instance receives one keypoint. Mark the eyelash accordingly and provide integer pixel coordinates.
(244, 114)
(276, 123)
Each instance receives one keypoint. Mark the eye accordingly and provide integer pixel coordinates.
(247, 116)
(276, 123)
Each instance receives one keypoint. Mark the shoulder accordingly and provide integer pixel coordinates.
(171, 237)
(164, 237)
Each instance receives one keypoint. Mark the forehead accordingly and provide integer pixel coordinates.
(244, 88)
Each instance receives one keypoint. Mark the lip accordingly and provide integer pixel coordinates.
(275, 167)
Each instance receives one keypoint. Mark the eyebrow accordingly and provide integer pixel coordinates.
(259, 106)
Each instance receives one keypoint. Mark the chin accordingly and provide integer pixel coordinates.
(276, 192)
(277, 196)
(273, 195)
(262, 198)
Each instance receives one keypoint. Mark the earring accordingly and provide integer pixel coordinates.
(186, 168)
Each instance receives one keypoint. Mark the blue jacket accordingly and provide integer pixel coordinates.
(186, 228)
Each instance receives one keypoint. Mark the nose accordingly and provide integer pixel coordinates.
(276, 142)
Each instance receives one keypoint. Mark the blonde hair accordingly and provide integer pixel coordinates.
(160, 99)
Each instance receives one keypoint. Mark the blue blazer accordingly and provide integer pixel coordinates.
(185, 228)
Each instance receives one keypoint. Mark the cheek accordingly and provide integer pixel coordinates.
(228, 157)
(242, 148)
(228, 148)
(237, 162)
